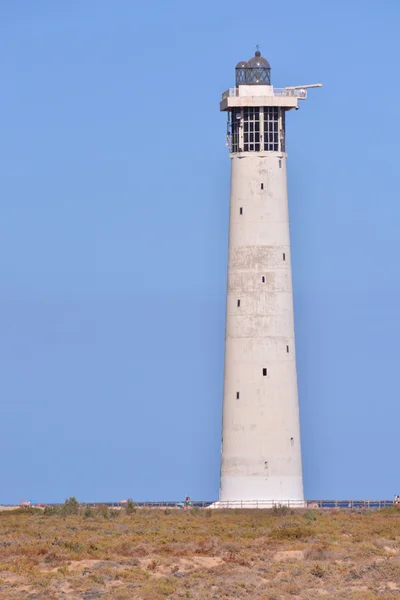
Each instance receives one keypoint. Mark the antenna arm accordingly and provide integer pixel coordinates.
(304, 87)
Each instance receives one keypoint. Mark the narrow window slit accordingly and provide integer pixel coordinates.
(284, 256)
(280, 164)
(262, 186)
(237, 395)
(238, 303)
(263, 279)
(264, 372)
(240, 210)
(287, 349)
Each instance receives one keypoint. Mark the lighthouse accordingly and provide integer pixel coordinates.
(261, 451)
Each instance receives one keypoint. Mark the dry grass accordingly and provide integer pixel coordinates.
(200, 555)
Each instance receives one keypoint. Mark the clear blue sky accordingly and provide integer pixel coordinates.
(114, 191)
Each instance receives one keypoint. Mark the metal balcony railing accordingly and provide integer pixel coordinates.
(297, 93)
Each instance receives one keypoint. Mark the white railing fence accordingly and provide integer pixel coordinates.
(259, 504)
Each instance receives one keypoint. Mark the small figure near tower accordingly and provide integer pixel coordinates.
(261, 452)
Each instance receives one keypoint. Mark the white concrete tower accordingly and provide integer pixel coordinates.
(261, 453)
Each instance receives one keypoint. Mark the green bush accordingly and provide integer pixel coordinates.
(70, 507)
(103, 511)
(52, 511)
(88, 512)
(130, 507)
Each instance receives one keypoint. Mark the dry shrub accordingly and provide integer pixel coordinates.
(232, 557)
(74, 546)
(310, 515)
(280, 510)
(99, 579)
(52, 557)
(63, 570)
(134, 574)
(158, 589)
(353, 574)
(317, 571)
(25, 564)
(178, 549)
(166, 548)
(290, 532)
(139, 551)
(319, 551)
(206, 547)
(31, 551)
(230, 547)
(125, 593)
(152, 566)
(149, 595)
(292, 588)
(232, 554)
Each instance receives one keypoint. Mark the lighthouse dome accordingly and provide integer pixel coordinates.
(258, 61)
(258, 70)
(241, 72)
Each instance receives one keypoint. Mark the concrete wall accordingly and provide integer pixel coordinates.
(261, 455)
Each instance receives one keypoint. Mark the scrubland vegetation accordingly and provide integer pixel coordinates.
(77, 552)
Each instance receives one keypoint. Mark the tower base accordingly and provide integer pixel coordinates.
(260, 504)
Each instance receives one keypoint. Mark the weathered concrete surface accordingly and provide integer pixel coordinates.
(261, 455)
